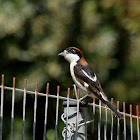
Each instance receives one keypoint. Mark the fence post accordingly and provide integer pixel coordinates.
(72, 114)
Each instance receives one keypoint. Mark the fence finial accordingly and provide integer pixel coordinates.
(68, 91)
(137, 110)
(14, 80)
(124, 107)
(36, 86)
(47, 88)
(112, 104)
(117, 105)
(2, 80)
(78, 94)
(130, 107)
(58, 89)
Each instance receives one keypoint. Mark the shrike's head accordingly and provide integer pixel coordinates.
(71, 54)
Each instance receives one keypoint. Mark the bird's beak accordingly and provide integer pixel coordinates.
(62, 53)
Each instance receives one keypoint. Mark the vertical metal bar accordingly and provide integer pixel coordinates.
(105, 126)
(2, 102)
(124, 121)
(93, 115)
(111, 121)
(99, 122)
(46, 110)
(12, 112)
(131, 125)
(57, 107)
(24, 105)
(138, 132)
(85, 120)
(77, 122)
(35, 108)
(118, 123)
(67, 114)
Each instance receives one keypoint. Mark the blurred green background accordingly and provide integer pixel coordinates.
(33, 32)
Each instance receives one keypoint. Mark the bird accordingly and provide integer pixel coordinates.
(84, 77)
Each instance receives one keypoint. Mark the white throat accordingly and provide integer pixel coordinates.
(72, 57)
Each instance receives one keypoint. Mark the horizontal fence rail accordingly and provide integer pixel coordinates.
(74, 117)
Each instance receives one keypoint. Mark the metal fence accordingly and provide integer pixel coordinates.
(75, 116)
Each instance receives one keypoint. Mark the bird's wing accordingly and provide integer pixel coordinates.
(87, 78)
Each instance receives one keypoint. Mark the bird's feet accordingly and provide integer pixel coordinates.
(84, 100)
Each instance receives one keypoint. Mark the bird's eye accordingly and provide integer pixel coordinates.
(73, 51)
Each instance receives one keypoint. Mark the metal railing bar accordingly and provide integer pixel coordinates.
(93, 114)
(99, 122)
(62, 98)
(12, 112)
(77, 122)
(118, 123)
(111, 121)
(50, 95)
(126, 114)
(82, 98)
(87, 122)
(131, 125)
(39, 94)
(138, 132)
(46, 111)
(24, 105)
(67, 114)
(2, 102)
(2, 96)
(105, 125)
(36, 93)
(124, 121)
(57, 108)
(35, 108)
(22, 90)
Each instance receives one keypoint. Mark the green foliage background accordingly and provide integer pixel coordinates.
(33, 32)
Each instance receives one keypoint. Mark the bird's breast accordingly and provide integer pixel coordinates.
(72, 67)
(79, 85)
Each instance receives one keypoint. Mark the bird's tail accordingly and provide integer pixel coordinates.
(114, 110)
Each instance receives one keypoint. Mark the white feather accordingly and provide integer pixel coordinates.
(103, 96)
(72, 64)
(71, 57)
(86, 85)
(91, 78)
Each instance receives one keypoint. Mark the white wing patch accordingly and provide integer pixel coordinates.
(86, 85)
(91, 78)
(83, 88)
(103, 96)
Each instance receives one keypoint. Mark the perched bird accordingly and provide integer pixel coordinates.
(84, 77)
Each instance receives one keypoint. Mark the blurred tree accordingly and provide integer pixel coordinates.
(32, 33)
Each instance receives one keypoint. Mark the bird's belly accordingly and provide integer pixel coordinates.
(78, 84)
(81, 87)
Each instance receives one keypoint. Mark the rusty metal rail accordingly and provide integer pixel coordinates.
(77, 124)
